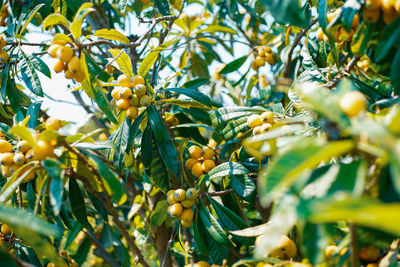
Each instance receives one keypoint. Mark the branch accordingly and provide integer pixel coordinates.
(100, 252)
(106, 202)
(295, 43)
(353, 246)
(343, 73)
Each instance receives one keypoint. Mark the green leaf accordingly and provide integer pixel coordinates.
(213, 227)
(234, 65)
(33, 113)
(217, 28)
(102, 100)
(286, 11)
(394, 73)
(222, 115)
(388, 39)
(230, 220)
(228, 168)
(78, 203)
(244, 187)
(196, 95)
(362, 212)
(162, 6)
(159, 214)
(196, 83)
(39, 65)
(322, 10)
(113, 185)
(30, 76)
(57, 185)
(112, 34)
(234, 127)
(165, 144)
(286, 168)
(323, 101)
(29, 18)
(99, 145)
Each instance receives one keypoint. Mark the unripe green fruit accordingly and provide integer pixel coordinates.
(191, 194)
(145, 100)
(140, 90)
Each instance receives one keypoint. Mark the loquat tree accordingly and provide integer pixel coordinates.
(220, 133)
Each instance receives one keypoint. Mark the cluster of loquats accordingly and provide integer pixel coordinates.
(284, 249)
(372, 10)
(14, 156)
(261, 123)
(181, 203)
(264, 54)
(369, 255)
(340, 34)
(131, 94)
(3, 54)
(67, 61)
(353, 103)
(3, 15)
(201, 160)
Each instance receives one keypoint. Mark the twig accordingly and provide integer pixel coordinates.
(218, 193)
(107, 203)
(100, 252)
(344, 72)
(353, 245)
(295, 43)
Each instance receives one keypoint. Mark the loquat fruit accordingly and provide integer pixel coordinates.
(176, 210)
(190, 162)
(115, 93)
(186, 224)
(371, 15)
(3, 57)
(5, 146)
(145, 100)
(286, 248)
(65, 53)
(208, 165)
(53, 124)
(29, 172)
(137, 80)
(30, 155)
(372, 4)
(5, 229)
(132, 112)
(124, 92)
(19, 158)
(187, 215)
(2, 42)
(330, 251)
(134, 100)
(69, 75)
(352, 103)
(124, 81)
(187, 203)
(123, 104)
(59, 66)
(370, 253)
(197, 169)
(268, 117)
(52, 51)
(195, 151)
(6, 159)
(179, 194)
(6, 171)
(43, 150)
(140, 90)
(171, 199)
(74, 64)
(254, 120)
(208, 153)
(79, 76)
(191, 194)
